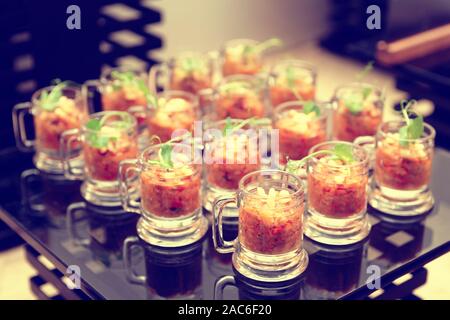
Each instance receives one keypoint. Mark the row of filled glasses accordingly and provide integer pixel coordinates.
(113, 152)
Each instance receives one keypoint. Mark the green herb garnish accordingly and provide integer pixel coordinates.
(98, 140)
(341, 151)
(355, 103)
(49, 100)
(165, 152)
(231, 127)
(262, 46)
(414, 126)
(308, 106)
(191, 64)
(129, 78)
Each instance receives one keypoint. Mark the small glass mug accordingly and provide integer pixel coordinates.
(402, 171)
(358, 111)
(237, 97)
(291, 80)
(190, 72)
(228, 158)
(269, 246)
(176, 110)
(299, 132)
(102, 151)
(337, 197)
(170, 197)
(49, 124)
(234, 60)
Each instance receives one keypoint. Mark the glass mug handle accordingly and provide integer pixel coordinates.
(26, 179)
(221, 284)
(156, 72)
(71, 224)
(125, 168)
(68, 138)
(87, 90)
(20, 133)
(132, 276)
(221, 245)
(367, 143)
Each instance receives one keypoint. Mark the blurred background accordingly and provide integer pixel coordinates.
(411, 49)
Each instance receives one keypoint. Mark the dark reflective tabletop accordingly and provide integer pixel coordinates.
(35, 206)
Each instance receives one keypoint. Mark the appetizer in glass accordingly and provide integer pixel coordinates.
(54, 110)
(269, 244)
(190, 72)
(301, 126)
(170, 111)
(292, 80)
(108, 137)
(358, 111)
(231, 151)
(337, 175)
(168, 176)
(243, 56)
(403, 164)
(237, 97)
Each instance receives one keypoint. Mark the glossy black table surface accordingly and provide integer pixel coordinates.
(35, 206)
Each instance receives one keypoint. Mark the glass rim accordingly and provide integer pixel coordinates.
(296, 62)
(35, 96)
(241, 188)
(361, 162)
(168, 94)
(358, 85)
(106, 71)
(155, 147)
(101, 114)
(323, 105)
(431, 135)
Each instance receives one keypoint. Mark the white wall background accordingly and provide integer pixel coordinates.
(203, 25)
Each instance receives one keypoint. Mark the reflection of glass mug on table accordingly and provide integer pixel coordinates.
(54, 109)
(171, 273)
(249, 289)
(169, 187)
(402, 170)
(107, 138)
(269, 244)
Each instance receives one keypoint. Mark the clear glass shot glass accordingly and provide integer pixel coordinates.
(358, 111)
(402, 171)
(337, 196)
(292, 80)
(269, 245)
(107, 138)
(298, 131)
(237, 97)
(169, 196)
(176, 110)
(189, 71)
(228, 158)
(52, 116)
(236, 59)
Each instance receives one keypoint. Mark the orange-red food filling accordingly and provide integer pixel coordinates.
(271, 225)
(336, 190)
(402, 167)
(171, 192)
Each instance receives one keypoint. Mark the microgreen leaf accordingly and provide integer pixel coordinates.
(94, 136)
(93, 124)
(165, 154)
(49, 100)
(310, 106)
(129, 78)
(367, 68)
(344, 152)
(414, 126)
(341, 151)
(290, 77)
